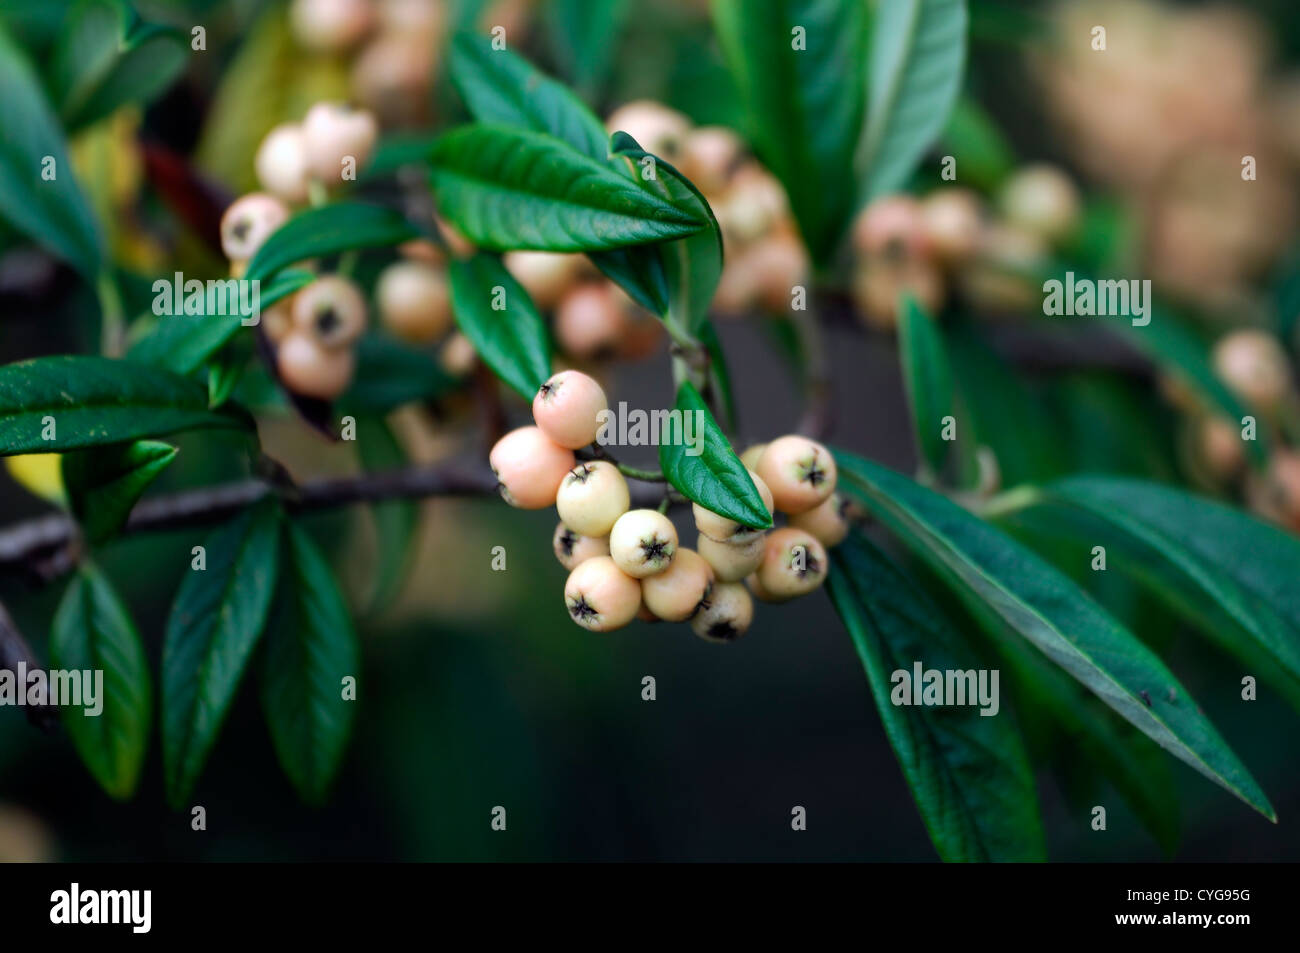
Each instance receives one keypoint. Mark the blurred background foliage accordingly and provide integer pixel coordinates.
(476, 689)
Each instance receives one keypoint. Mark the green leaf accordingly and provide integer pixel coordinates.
(106, 57)
(1232, 575)
(584, 35)
(92, 401)
(967, 770)
(501, 321)
(1005, 584)
(39, 195)
(510, 188)
(928, 380)
(500, 87)
(697, 459)
(219, 614)
(918, 56)
(104, 484)
(329, 230)
(1087, 730)
(183, 342)
(803, 107)
(93, 632)
(983, 154)
(691, 266)
(396, 521)
(390, 374)
(311, 647)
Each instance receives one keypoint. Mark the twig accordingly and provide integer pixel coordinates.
(817, 420)
(42, 540)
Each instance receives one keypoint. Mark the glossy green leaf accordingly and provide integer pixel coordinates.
(983, 154)
(511, 188)
(967, 771)
(329, 230)
(184, 342)
(697, 459)
(103, 484)
(107, 56)
(55, 404)
(501, 321)
(390, 374)
(1004, 584)
(928, 381)
(691, 266)
(798, 67)
(1083, 735)
(39, 195)
(918, 57)
(1231, 574)
(311, 648)
(215, 623)
(585, 35)
(500, 87)
(93, 632)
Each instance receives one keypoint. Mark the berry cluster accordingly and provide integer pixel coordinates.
(627, 563)
(950, 241)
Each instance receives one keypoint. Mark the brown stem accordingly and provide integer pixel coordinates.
(44, 541)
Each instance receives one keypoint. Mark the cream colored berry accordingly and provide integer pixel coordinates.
(723, 528)
(281, 163)
(827, 521)
(568, 408)
(392, 76)
(277, 320)
(731, 562)
(756, 587)
(656, 128)
(952, 222)
(779, 265)
(1042, 199)
(794, 564)
(545, 275)
(680, 591)
(754, 204)
(1222, 450)
(592, 496)
(572, 548)
(643, 542)
(339, 141)
(591, 321)
(309, 368)
(332, 310)
(726, 615)
(330, 26)
(1254, 367)
(250, 221)
(880, 283)
(600, 597)
(457, 355)
(710, 155)
(800, 473)
(751, 454)
(529, 468)
(414, 300)
(890, 227)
